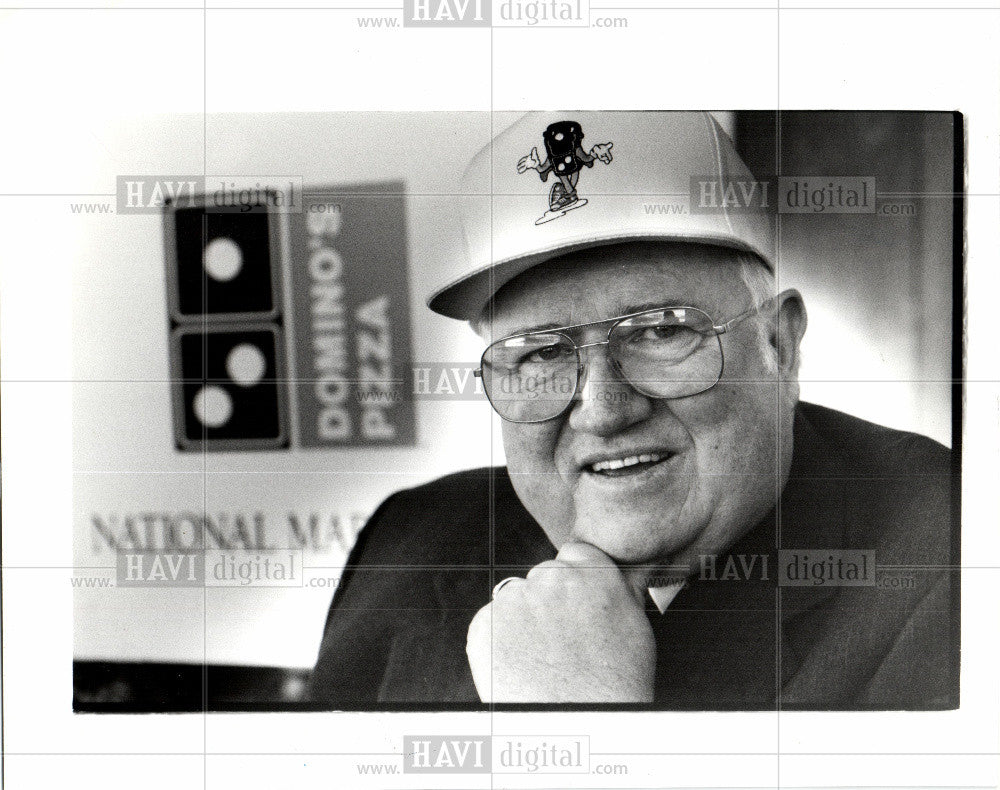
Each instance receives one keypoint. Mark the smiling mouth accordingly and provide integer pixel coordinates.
(626, 465)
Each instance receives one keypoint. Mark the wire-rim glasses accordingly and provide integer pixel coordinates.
(665, 352)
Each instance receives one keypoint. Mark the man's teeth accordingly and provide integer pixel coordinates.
(621, 463)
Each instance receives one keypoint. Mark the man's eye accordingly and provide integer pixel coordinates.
(659, 334)
(546, 354)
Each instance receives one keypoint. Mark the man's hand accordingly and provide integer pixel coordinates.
(529, 162)
(573, 631)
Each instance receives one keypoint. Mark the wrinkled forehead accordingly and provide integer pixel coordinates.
(606, 282)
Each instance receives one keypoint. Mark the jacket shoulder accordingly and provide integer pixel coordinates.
(867, 446)
(895, 494)
(430, 520)
(896, 488)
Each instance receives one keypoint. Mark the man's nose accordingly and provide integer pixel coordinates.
(605, 403)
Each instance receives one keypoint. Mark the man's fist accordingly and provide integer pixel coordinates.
(573, 631)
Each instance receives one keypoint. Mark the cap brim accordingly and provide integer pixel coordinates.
(466, 297)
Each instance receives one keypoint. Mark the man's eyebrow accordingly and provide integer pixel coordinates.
(619, 312)
(524, 330)
(629, 309)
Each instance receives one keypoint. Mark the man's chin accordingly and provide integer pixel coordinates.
(632, 547)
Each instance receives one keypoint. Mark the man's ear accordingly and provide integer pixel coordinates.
(787, 328)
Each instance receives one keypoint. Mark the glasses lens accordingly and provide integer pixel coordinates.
(668, 353)
(530, 378)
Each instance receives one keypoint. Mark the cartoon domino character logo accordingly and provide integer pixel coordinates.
(565, 157)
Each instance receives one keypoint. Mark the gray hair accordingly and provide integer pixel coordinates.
(760, 283)
(758, 279)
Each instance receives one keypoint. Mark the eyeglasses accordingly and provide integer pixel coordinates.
(667, 352)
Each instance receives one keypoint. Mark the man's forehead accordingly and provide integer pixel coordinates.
(607, 283)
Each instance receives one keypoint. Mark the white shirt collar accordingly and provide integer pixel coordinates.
(663, 596)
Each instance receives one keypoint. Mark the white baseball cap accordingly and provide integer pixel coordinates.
(657, 162)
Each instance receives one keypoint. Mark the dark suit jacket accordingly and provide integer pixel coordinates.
(428, 559)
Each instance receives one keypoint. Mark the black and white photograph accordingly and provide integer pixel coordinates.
(544, 431)
(619, 421)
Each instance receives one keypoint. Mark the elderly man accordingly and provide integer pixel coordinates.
(673, 527)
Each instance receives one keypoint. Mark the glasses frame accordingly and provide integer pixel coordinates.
(715, 331)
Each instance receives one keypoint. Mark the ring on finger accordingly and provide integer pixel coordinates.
(500, 584)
